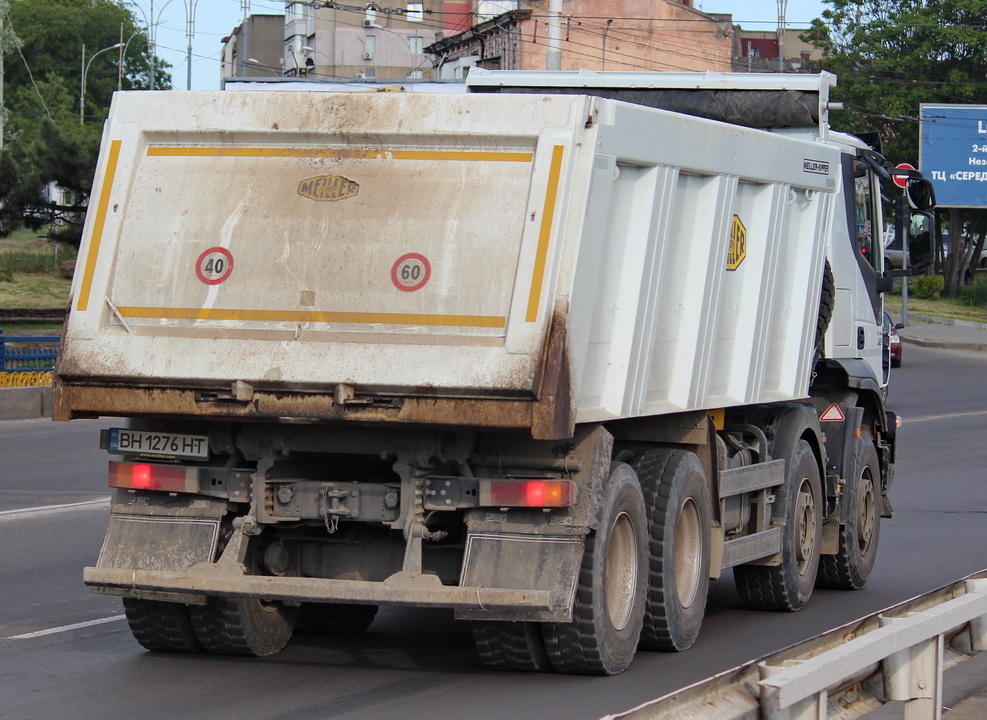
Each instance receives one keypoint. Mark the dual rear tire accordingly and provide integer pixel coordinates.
(223, 626)
(643, 582)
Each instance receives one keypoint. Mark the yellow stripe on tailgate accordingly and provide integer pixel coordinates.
(163, 313)
(340, 153)
(97, 237)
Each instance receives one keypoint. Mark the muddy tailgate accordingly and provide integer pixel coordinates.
(392, 242)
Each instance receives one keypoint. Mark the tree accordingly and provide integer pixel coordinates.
(893, 55)
(44, 140)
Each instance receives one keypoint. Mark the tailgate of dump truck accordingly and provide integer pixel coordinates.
(399, 243)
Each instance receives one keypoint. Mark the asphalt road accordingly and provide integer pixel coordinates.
(420, 664)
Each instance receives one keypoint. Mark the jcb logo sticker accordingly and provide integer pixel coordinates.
(738, 244)
(326, 188)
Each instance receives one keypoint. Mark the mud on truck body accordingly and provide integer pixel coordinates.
(553, 352)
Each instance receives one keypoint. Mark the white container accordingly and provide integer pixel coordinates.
(423, 245)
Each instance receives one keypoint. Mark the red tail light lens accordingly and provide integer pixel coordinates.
(146, 476)
(526, 493)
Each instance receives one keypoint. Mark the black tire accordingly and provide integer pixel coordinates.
(161, 626)
(243, 626)
(896, 362)
(609, 608)
(677, 504)
(511, 646)
(850, 568)
(789, 585)
(342, 620)
(827, 304)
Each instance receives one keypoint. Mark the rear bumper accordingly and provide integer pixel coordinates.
(402, 589)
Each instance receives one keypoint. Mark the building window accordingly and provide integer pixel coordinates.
(416, 44)
(415, 12)
(370, 73)
(370, 44)
(294, 11)
(415, 75)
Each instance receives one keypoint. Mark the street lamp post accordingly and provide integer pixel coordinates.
(152, 44)
(781, 34)
(190, 33)
(85, 72)
(123, 55)
(258, 63)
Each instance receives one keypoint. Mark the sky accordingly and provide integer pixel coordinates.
(215, 19)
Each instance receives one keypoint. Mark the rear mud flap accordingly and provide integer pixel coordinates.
(151, 532)
(517, 560)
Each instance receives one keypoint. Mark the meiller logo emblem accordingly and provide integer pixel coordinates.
(326, 188)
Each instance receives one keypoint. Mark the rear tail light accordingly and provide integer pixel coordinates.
(525, 493)
(147, 476)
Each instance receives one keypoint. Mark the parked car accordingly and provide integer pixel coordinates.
(893, 253)
(893, 340)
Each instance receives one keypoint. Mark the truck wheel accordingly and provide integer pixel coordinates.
(511, 646)
(788, 586)
(609, 608)
(676, 500)
(852, 565)
(327, 619)
(243, 626)
(161, 626)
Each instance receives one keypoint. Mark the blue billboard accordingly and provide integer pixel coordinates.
(953, 153)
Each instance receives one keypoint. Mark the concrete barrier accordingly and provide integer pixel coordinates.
(22, 403)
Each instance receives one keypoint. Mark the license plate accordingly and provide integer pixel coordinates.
(155, 444)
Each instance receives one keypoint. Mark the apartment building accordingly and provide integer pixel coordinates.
(658, 35)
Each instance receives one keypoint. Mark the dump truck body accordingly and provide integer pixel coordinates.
(466, 350)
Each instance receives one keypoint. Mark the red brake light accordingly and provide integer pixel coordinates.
(141, 477)
(145, 476)
(525, 493)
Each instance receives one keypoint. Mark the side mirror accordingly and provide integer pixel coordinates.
(921, 194)
(921, 231)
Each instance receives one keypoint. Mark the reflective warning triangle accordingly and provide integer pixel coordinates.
(833, 414)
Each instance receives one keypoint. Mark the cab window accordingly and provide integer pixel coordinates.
(866, 222)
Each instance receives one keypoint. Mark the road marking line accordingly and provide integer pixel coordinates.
(51, 509)
(948, 416)
(66, 628)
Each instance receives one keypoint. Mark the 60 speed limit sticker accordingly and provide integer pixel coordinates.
(410, 272)
(214, 265)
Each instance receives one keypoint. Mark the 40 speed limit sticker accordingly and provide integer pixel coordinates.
(214, 265)
(411, 272)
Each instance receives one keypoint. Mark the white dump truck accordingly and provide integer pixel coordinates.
(553, 351)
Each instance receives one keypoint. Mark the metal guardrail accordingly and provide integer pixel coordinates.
(27, 353)
(897, 654)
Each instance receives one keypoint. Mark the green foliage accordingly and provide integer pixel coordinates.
(928, 287)
(44, 140)
(892, 55)
(976, 292)
(25, 262)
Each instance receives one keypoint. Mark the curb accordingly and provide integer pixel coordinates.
(943, 344)
(24, 403)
